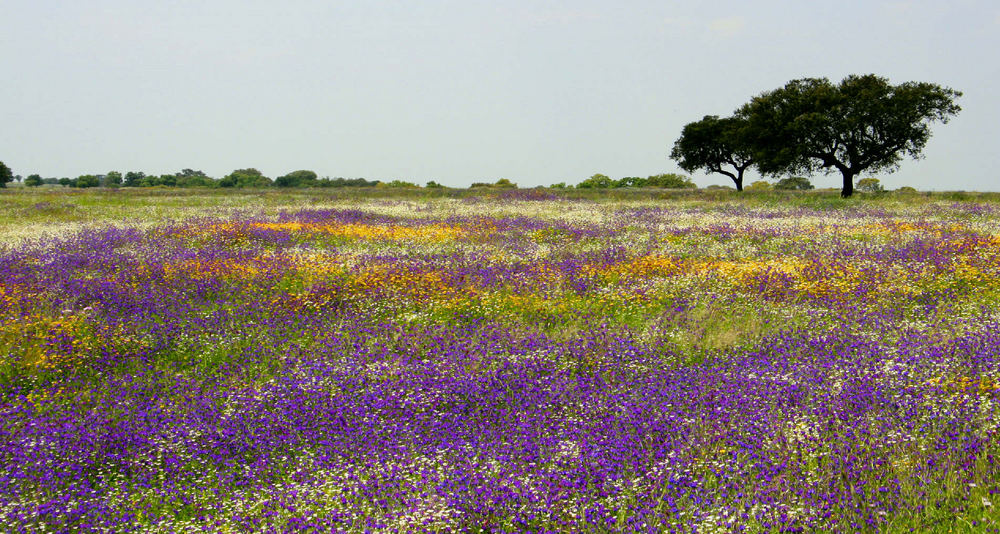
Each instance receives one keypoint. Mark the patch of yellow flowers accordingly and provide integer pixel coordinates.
(432, 232)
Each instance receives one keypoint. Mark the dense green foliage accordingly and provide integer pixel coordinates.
(712, 144)
(5, 175)
(597, 181)
(870, 185)
(87, 180)
(794, 183)
(302, 178)
(667, 181)
(245, 178)
(862, 124)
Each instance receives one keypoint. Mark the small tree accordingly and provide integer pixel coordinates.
(433, 185)
(794, 183)
(33, 180)
(301, 178)
(632, 181)
(870, 185)
(670, 181)
(245, 178)
(149, 181)
(713, 144)
(132, 178)
(504, 183)
(760, 185)
(5, 175)
(597, 181)
(194, 180)
(87, 180)
(863, 124)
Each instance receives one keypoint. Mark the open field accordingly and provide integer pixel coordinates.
(520, 361)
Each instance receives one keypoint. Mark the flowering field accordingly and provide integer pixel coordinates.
(506, 364)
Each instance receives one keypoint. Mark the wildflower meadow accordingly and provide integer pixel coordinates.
(513, 362)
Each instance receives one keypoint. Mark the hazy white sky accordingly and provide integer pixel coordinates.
(459, 91)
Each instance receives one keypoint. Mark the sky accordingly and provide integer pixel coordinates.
(461, 91)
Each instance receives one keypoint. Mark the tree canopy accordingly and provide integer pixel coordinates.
(862, 124)
(6, 175)
(301, 178)
(245, 178)
(794, 183)
(670, 181)
(597, 181)
(713, 144)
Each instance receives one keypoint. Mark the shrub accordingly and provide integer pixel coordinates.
(670, 181)
(794, 183)
(869, 185)
(245, 178)
(760, 185)
(632, 181)
(301, 178)
(597, 181)
(87, 180)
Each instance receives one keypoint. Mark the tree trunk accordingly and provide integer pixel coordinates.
(739, 180)
(848, 183)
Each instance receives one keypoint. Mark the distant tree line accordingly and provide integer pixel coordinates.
(253, 178)
(239, 178)
(601, 181)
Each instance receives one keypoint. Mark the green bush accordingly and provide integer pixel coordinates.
(597, 181)
(869, 185)
(760, 185)
(794, 183)
(87, 180)
(670, 181)
(632, 181)
(303, 178)
(245, 178)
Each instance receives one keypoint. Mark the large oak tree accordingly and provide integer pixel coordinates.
(715, 144)
(863, 124)
(6, 175)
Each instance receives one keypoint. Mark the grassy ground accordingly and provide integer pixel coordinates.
(30, 212)
(406, 360)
